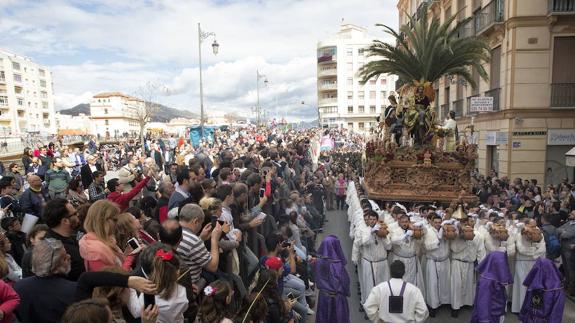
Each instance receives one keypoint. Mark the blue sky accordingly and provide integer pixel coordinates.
(120, 45)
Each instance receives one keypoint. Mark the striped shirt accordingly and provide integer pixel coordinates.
(193, 253)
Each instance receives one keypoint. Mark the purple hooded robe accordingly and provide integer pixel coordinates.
(332, 280)
(544, 287)
(490, 295)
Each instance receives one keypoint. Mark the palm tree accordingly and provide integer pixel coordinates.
(426, 51)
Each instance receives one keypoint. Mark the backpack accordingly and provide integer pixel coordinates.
(552, 245)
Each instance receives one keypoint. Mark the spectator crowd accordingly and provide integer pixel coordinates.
(165, 231)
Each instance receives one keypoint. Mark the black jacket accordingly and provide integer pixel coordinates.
(31, 203)
(73, 249)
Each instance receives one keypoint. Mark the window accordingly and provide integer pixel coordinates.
(2, 76)
(17, 78)
(361, 125)
(383, 95)
(372, 94)
(349, 109)
(360, 51)
(372, 109)
(350, 95)
(3, 101)
(361, 95)
(372, 82)
(43, 83)
(350, 125)
(107, 122)
(20, 101)
(105, 111)
(349, 51)
(44, 105)
(16, 66)
(361, 109)
(18, 89)
(349, 81)
(42, 72)
(44, 94)
(383, 81)
(34, 93)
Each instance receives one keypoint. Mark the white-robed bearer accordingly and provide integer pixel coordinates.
(396, 300)
(375, 243)
(530, 245)
(466, 250)
(405, 247)
(438, 265)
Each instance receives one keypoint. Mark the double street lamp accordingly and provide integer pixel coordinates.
(202, 35)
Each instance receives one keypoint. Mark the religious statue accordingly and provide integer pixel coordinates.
(419, 117)
(450, 129)
(392, 119)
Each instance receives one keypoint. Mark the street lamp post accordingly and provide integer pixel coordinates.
(258, 107)
(202, 35)
(318, 115)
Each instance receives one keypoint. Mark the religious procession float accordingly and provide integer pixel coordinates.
(413, 158)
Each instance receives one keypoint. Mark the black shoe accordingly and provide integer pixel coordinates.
(432, 312)
(454, 313)
(361, 308)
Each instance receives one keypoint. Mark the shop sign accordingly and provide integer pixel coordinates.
(561, 137)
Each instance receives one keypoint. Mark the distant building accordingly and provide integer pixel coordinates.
(531, 80)
(26, 95)
(73, 125)
(342, 100)
(114, 114)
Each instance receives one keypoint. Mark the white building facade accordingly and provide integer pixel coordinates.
(26, 96)
(115, 115)
(73, 125)
(342, 100)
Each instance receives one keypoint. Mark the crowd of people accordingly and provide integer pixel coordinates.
(222, 232)
(507, 253)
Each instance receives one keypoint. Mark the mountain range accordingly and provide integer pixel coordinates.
(164, 113)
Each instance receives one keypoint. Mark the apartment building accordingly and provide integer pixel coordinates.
(26, 96)
(531, 80)
(342, 101)
(114, 114)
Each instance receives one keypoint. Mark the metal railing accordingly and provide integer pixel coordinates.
(469, 112)
(495, 94)
(489, 15)
(561, 6)
(458, 108)
(328, 86)
(327, 72)
(562, 95)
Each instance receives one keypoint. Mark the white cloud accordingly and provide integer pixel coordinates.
(100, 45)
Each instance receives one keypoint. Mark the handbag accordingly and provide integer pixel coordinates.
(396, 302)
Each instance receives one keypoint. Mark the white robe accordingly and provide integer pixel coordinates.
(405, 250)
(377, 304)
(464, 253)
(373, 261)
(438, 275)
(525, 257)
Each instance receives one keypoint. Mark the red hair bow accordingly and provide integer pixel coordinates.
(165, 255)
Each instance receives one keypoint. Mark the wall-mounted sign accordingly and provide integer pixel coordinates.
(516, 144)
(558, 137)
(481, 104)
(494, 138)
(529, 133)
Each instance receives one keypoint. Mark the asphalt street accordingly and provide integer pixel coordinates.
(339, 226)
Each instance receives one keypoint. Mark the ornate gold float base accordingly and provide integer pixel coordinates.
(421, 175)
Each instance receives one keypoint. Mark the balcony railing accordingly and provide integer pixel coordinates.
(494, 93)
(328, 72)
(458, 108)
(444, 110)
(562, 6)
(491, 14)
(469, 112)
(323, 101)
(562, 95)
(329, 86)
